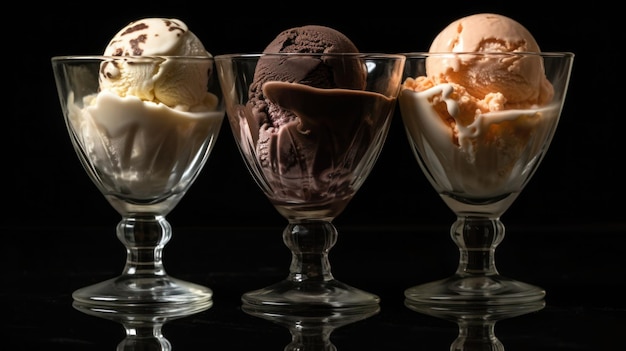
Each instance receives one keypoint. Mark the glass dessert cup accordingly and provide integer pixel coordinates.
(312, 159)
(143, 157)
(311, 329)
(143, 324)
(479, 169)
(476, 322)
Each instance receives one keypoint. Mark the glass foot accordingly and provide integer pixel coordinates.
(143, 324)
(148, 291)
(476, 323)
(475, 314)
(296, 295)
(312, 329)
(477, 290)
(142, 314)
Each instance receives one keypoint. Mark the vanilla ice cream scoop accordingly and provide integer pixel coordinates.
(155, 114)
(173, 83)
(520, 79)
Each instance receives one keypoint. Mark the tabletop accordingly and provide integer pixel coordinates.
(580, 269)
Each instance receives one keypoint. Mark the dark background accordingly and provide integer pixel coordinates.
(563, 232)
(579, 183)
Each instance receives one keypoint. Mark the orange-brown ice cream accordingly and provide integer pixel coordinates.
(483, 104)
(494, 82)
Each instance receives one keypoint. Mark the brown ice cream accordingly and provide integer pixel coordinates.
(310, 121)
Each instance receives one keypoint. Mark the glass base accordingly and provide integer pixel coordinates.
(476, 290)
(295, 295)
(145, 314)
(470, 313)
(143, 324)
(147, 291)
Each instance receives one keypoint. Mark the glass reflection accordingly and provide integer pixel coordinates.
(311, 328)
(143, 324)
(476, 323)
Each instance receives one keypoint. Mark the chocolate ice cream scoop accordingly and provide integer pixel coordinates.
(309, 119)
(316, 70)
(311, 38)
(318, 151)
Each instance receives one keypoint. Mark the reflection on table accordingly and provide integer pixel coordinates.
(143, 324)
(476, 323)
(311, 328)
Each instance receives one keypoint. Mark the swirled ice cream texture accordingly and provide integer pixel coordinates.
(309, 122)
(176, 84)
(482, 158)
(153, 115)
(480, 116)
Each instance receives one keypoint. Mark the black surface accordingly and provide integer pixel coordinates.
(581, 269)
(565, 231)
(577, 183)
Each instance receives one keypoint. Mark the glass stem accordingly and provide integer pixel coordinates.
(144, 336)
(477, 239)
(309, 242)
(310, 338)
(474, 335)
(144, 237)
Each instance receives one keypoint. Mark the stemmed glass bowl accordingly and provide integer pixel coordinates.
(478, 151)
(143, 155)
(310, 128)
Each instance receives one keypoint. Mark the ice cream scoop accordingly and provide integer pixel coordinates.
(310, 122)
(285, 142)
(520, 79)
(482, 104)
(155, 37)
(312, 39)
(320, 72)
(309, 125)
(484, 32)
(174, 84)
(480, 110)
(154, 113)
(315, 71)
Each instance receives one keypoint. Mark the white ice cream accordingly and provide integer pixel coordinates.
(153, 121)
(472, 159)
(138, 147)
(176, 84)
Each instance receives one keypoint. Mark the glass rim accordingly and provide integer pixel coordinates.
(418, 54)
(117, 58)
(255, 55)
